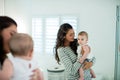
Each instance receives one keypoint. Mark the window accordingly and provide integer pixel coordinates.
(44, 32)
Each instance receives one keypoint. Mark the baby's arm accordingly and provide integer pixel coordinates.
(7, 70)
(86, 50)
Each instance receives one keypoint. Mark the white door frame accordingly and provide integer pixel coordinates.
(117, 45)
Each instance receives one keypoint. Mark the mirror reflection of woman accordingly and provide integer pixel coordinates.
(8, 27)
(65, 52)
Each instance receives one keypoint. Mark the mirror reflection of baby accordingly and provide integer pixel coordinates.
(84, 53)
(21, 64)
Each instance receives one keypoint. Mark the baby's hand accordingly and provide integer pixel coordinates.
(81, 60)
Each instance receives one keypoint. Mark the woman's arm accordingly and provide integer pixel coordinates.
(71, 68)
(38, 75)
(7, 70)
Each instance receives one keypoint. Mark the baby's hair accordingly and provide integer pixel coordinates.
(20, 44)
(83, 33)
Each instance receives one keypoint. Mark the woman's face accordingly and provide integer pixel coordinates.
(70, 35)
(6, 34)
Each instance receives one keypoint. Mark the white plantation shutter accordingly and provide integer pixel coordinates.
(44, 32)
(37, 34)
(52, 25)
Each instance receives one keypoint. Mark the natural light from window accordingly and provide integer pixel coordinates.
(44, 32)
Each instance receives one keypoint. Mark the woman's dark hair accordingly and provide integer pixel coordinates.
(5, 22)
(64, 28)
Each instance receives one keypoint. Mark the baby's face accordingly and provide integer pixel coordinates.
(82, 39)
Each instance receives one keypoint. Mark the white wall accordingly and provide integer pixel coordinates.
(1, 7)
(97, 17)
(118, 2)
(20, 10)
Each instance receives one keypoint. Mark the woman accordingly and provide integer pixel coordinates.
(8, 27)
(65, 49)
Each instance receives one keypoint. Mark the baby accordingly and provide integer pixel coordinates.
(84, 53)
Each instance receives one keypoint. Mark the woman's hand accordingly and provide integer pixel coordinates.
(37, 75)
(87, 65)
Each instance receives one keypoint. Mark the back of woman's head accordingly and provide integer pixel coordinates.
(64, 28)
(5, 22)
